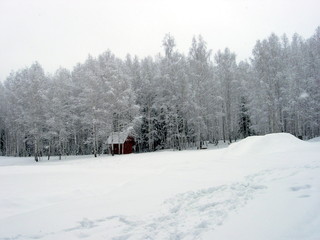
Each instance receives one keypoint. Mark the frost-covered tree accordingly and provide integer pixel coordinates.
(170, 101)
(26, 95)
(226, 70)
(2, 120)
(148, 137)
(200, 77)
(269, 73)
(92, 95)
(59, 112)
(170, 83)
(312, 127)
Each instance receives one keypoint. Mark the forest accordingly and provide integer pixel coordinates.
(169, 101)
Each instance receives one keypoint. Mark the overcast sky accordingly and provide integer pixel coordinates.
(63, 32)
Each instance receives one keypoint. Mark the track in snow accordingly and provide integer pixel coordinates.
(184, 216)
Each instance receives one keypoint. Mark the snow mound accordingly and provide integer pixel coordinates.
(316, 139)
(267, 144)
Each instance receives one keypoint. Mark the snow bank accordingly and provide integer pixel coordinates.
(267, 144)
(316, 139)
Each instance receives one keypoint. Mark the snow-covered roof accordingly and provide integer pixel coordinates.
(117, 137)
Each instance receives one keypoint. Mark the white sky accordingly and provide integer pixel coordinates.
(63, 32)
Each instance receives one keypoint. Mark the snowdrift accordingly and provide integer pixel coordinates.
(267, 144)
(316, 139)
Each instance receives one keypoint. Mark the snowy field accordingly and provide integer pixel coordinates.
(260, 188)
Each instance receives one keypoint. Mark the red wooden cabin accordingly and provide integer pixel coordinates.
(120, 143)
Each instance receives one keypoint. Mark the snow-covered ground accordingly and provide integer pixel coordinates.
(265, 187)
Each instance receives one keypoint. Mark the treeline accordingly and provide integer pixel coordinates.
(171, 101)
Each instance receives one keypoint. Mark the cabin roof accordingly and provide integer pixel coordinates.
(117, 137)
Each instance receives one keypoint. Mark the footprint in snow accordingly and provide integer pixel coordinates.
(184, 216)
(298, 188)
(304, 196)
